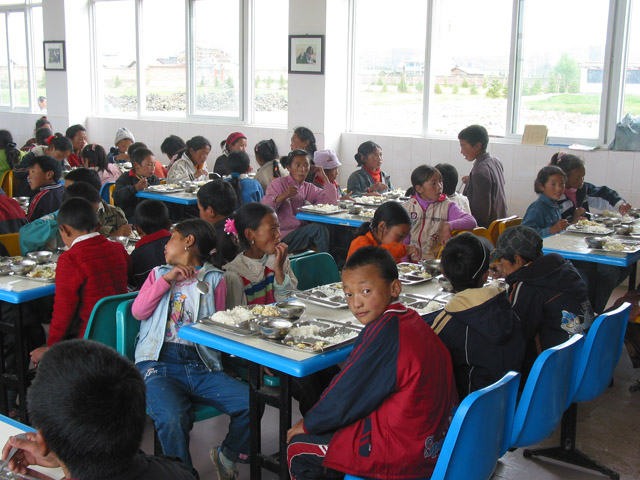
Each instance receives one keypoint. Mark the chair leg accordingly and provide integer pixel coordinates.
(567, 451)
(157, 446)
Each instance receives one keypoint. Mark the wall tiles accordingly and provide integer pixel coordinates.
(524, 164)
(620, 170)
(596, 166)
(441, 151)
(504, 152)
(420, 152)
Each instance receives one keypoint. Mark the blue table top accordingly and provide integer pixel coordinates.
(34, 291)
(573, 247)
(343, 219)
(180, 197)
(249, 349)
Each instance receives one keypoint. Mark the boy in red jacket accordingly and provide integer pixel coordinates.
(92, 268)
(385, 415)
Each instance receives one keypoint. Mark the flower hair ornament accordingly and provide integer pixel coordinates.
(560, 154)
(230, 228)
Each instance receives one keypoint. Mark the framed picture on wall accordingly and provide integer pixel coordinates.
(55, 57)
(306, 54)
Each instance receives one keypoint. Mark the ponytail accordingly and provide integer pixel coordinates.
(237, 163)
(9, 146)
(204, 240)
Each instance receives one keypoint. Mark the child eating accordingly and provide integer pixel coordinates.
(397, 363)
(544, 215)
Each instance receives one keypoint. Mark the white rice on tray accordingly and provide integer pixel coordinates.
(331, 290)
(232, 317)
(324, 207)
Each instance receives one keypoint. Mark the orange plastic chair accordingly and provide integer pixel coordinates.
(111, 189)
(494, 228)
(6, 183)
(12, 242)
(502, 226)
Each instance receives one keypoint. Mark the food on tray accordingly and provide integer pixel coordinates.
(233, 317)
(596, 229)
(43, 271)
(265, 310)
(409, 268)
(367, 213)
(422, 274)
(614, 245)
(163, 187)
(370, 200)
(587, 223)
(332, 290)
(322, 207)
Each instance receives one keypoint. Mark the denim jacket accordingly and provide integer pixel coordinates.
(360, 180)
(152, 330)
(542, 214)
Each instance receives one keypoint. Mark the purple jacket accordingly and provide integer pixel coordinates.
(288, 209)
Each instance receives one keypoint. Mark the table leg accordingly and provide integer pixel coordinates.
(285, 422)
(255, 421)
(19, 380)
(632, 276)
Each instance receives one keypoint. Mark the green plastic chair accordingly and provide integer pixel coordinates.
(102, 322)
(316, 269)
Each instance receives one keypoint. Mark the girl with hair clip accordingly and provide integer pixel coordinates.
(247, 189)
(543, 215)
(433, 215)
(175, 370)
(10, 156)
(236, 141)
(369, 179)
(260, 273)
(388, 229)
(266, 153)
(173, 146)
(191, 164)
(94, 156)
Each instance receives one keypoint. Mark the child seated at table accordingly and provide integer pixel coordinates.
(287, 194)
(94, 157)
(266, 153)
(44, 175)
(192, 164)
(102, 438)
(260, 273)
(388, 229)
(139, 178)
(433, 215)
(216, 202)
(478, 326)
(119, 153)
(389, 408)
(545, 291)
(544, 215)
(449, 184)
(176, 371)
(247, 189)
(152, 224)
(92, 268)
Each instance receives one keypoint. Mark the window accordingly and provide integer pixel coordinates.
(631, 103)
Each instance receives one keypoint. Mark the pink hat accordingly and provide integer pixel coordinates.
(326, 159)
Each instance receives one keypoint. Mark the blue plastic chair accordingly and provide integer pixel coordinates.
(102, 322)
(315, 269)
(105, 192)
(547, 393)
(595, 366)
(127, 334)
(479, 432)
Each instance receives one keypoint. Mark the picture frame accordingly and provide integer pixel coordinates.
(55, 56)
(306, 54)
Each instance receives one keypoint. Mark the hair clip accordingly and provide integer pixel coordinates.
(230, 228)
(560, 154)
(235, 175)
(93, 147)
(213, 251)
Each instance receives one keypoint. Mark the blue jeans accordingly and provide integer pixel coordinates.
(307, 235)
(179, 378)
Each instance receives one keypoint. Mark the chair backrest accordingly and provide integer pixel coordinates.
(503, 225)
(547, 393)
(314, 270)
(494, 228)
(12, 242)
(127, 330)
(480, 431)
(111, 189)
(102, 323)
(105, 191)
(600, 354)
(6, 183)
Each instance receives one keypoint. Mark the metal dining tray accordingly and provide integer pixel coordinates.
(315, 343)
(315, 211)
(316, 296)
(242, 329)
(587, 231)
(411, 277)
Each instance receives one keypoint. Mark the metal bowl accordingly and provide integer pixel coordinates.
(121, 239)
(275, 328)
(595, 242)
(623, 229)
(445, 284)
(355, 209)
(345, 203)
(393, 195)
(292, 309)
(597, 217)
(22, 266)
(5, 270)
(432, 266)
(40, 257)
(22, 200)
(610, 222)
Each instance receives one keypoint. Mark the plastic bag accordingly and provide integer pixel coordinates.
(627, 134)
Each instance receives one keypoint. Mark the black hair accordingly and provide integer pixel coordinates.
(377, 257)
(172, 145)
(82, 190)
(96, 156)
(238, 163)
(464, 261)
(544, 174)
(267, 150)
(139, 154)
(87, 175)
(391, 213)
(9, 146)
(305, 134)
(60, 142)
(89, 404)
(41, 122)
(566, 161)
(152, 216)
(364, 150)
(42, 134)
(475, 134)
(249, 216)
(293, 154)
(48, 164)
(73, 130)
(411, 191)
(79, 214)
(285, 160)
(423, 174)
(449, 177)
(204, 239)
(135, 146)
(219, 195)
(197, 143)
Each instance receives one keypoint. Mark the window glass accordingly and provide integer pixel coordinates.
(164, 59)
(18, 55)
(40, 76)
(562, 66)
(389, 44)
(216, 30)
(115, 32)
(469, 66)
(5, 93)
(271, 27)
(632, 84)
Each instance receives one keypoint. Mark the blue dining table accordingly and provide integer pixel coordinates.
(181, 198)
